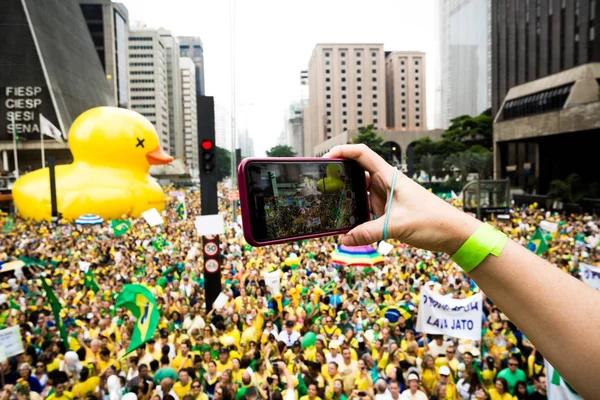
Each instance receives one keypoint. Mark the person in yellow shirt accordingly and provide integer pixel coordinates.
(223, 362)
(312, 392)
(87, 385)
(197, 391)
(60, 393)
(329, 329)
(363, 381)
(184, 385)
(184, 358)
(500, 391)
(451, 392)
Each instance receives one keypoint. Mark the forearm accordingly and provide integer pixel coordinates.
(534, 295)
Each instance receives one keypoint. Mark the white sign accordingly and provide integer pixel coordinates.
(84, 266)
(10, 340)
(211, 265)
(384, 248)
(220, 301)
(272, 280)
(153, 217)
(549, 226)
(590, 275)
(209, 225)
(460, 318)
(211, 248)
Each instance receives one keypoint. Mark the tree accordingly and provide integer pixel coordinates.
(432, 165)
(462, 162)
(471, 130)
(368, 137)
(223, 163)
(281, 151)
(481, 162)
(566, 191)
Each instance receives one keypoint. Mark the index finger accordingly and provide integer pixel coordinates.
(366, 157)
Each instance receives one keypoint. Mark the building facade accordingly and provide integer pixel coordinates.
(190, 118)
(405, 90)
(295, 127)
(192, 47)
(546, 77)
(108, 24)
(246, 144)
(46, 69)
(533, 39)
(222, 127)
(174, 88)
(464, 74)
(346, 91)
(148, 80)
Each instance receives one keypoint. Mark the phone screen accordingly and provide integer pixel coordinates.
(294, 199)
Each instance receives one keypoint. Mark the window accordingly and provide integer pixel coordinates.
(374, 112)
(358, 54)
(417, 94)
(343, 62)
(418, 124)
(359, 96)
(358, 62)
(326, 54)
(416, 62)
(358, 88)
(358, 104)
(344, 113)
(417, 109)
(374, 95)
(374, 71)
(343, 88)
(343, 71)
(328, 113)
(327, 71)
(374, 104)
(404, 117)
(374, 79)
(402, 78)
(417, 101)
(328, 96)
(417, 86)
(403, 94)
(327, 79)
(374, 87)
(374, 120)
(343, 79)
(343, 105)
(403, 101)
(328, 130)
(358, 79)
(404, 124)
(360, 121)
(328, 88)
(344, 121)
(416, 71)
(402, 62)
(343, 96)
(373, 62)
(374, 54)
(402, 70)
(416, 78)
(358, 71)
(403, 86)
(328, 105)
(328, 121)
(327, 62)
(343, 54)
(359, 112)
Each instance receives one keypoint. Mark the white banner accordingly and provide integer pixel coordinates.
(272, 280)
(452, 317)
(590, 275)
(556, 387)
(11, 342)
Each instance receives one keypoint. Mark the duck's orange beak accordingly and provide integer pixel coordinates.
(158, 157)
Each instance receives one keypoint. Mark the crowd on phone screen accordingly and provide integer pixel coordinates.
(231, 353)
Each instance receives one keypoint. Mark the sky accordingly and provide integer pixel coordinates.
(274, 40)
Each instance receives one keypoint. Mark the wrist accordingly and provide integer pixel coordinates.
(459, 228)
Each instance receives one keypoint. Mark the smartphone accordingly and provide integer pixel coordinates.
(289, 199)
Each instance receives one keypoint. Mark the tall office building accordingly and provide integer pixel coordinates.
(222, 127)
(246, 144)
(48, 66)
(192, 47)
(546, 80)
(295, 127)
(464, 73)
(405, 90)
(532, 39)
(108, 26)
(148, 80)
(174, 88)
(346, 90)
(190, 117)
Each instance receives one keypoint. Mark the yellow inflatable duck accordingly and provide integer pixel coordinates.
(113, 149)
(332, 183)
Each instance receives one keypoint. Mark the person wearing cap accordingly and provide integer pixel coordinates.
(334, 355)
(444, 379)
(25, 374)
(223, 363)
(413, 392)
(288, 335)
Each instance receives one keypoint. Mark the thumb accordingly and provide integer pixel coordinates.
(367, 233)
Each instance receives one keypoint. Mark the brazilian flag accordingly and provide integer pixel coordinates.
(141, 303)
(181, 211)
(56, 307)
(90, 282)
(159, 243)
(329, 287)
(9, 224)
(538, 243)
(393, 314)
(14, 305)
(119, 227)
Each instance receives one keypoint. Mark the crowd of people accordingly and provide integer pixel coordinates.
(254, 346)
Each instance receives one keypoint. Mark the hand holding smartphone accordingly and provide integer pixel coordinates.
(290, 199)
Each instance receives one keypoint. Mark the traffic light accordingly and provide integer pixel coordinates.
(208, 156)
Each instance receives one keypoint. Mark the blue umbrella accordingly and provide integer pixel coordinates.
(89, 219)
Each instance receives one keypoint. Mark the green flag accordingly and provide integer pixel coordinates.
(538, 243)
(159, 243)
(56, 307)
(181, 211)
(119, 227)
(141, 303)
(14, 305)
(90, 282)
(9, 224)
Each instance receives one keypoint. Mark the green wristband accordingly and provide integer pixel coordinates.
(484, 241)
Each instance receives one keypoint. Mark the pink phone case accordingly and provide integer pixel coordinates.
(244, 200)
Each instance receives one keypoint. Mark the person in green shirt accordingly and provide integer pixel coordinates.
(512, 374)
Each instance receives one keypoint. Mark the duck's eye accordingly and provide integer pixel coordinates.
(140, 143)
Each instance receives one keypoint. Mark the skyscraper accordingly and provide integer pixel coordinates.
(108, 25)
(174, 88)
(148, 80)
(295, 127)
(192, 47)
(405, 90)
(346, 90)
(222, 127)
(464, 73)
(190, 118)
